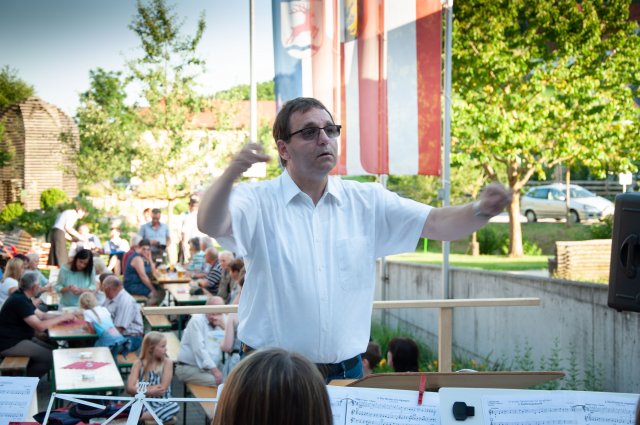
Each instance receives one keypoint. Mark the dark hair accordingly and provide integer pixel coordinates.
(144, 242)
(236, 265)
(195, 242)
(372, 355)
(281, 124)
(22, 257)
(83, 254)
(274, 386)
(404, 354)
(156, 211)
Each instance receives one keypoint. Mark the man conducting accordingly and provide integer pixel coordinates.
(310, 241)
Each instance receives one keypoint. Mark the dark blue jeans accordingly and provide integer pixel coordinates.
(354, 373)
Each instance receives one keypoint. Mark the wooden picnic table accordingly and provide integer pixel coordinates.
(71, 330)
(165, 278)
(157, 322)
(181, 295)
(103, 378)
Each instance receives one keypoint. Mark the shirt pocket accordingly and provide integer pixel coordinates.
(351, 258)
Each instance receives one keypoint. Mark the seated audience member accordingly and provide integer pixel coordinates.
(236, 270)
(138, 273)
(197, 256)
(20, 319)
(212, 280)
(115, 248)
(125, 311)
(273, 386)
(12, 274)
(371, 358)
(231, 344)
(155, 368)
(76, 278)
(34, 260)
(226, 282)
(135, 241)
(403, 354)
(87, 241)
(200, 358)
(207, 242)
(99, 319)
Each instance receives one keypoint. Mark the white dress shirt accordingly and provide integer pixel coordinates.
(200, 344)
(311, 269)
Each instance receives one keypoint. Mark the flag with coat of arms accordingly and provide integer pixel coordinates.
(376, 64)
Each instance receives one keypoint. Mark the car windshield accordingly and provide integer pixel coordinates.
(581, 193)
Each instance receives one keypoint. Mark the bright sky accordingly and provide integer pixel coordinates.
(54, 44)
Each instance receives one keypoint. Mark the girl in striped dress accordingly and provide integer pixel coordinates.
(156, 368)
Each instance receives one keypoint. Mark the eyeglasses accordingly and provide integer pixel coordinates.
(311, 133)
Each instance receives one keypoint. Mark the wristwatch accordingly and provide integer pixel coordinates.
(478, 212)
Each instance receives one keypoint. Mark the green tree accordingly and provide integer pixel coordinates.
(12, 90)
(264, 91)
(171, 153)
(538, 83)
(108, 130)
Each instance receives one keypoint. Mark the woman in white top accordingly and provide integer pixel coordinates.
(12, 274)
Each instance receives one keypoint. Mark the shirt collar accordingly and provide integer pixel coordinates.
(290, 189)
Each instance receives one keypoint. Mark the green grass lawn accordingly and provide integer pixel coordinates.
(482, 262)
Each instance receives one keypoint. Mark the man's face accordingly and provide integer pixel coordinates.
(309, 158)
(155, 219)
(216, 319)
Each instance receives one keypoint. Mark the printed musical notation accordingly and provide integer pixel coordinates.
(560, 408)
(372, 406)
(16, 393)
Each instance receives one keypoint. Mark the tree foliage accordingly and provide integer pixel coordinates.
(537, 84)
(264, 91)
(12, 90)
(108, 131)
(170, 152)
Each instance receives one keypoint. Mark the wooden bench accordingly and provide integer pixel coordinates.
(200, 391)
(576, 260)
(14, 364)
(140, 299)
(158, 322)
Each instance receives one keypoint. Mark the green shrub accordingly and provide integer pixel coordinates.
(528, 248)
(37, 222)
(491, 241)
(52, 198)
(603, 230)
(11, 212)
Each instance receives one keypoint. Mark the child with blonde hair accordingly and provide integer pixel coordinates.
(99, 318)
(155, 368)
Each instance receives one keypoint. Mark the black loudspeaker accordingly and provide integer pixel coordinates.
(624, 274)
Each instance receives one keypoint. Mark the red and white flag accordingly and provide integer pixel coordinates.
(377, 65)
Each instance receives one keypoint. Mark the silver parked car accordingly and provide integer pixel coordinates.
(549, 201)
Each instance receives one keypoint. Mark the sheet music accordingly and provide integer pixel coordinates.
(372, 406)
(559, 408)
(16, 393)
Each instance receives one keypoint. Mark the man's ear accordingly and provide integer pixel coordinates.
(283, 149)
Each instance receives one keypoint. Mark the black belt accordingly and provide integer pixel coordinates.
(333, 369)
(326, 369)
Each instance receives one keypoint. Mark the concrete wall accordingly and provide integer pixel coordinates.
(574, 313)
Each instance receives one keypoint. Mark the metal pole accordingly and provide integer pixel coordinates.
(252, 77)
(446, 181)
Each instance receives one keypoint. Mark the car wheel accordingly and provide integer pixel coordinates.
(574, 217)
(531, 216)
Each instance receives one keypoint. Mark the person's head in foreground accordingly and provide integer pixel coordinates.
(403, 354)
(274, 387)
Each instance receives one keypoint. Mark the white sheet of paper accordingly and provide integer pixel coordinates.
(16, 395)
(560, 407)
(372, 406)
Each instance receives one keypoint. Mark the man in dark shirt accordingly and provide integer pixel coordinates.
(212, 281)
(19, 319)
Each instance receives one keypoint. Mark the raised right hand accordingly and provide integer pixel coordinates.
(251, 154)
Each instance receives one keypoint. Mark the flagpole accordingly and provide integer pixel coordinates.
(252, 77)
(446, 181)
